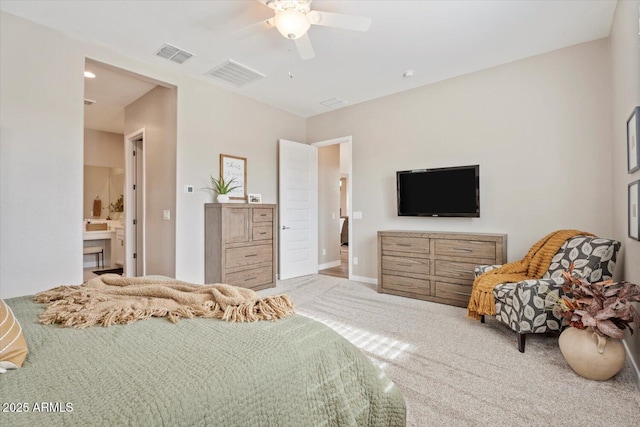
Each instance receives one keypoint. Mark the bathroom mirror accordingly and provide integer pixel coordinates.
(105, 183)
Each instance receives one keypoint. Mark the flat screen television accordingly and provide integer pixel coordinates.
(446, 192)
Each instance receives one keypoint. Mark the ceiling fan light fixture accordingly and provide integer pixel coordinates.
(292, 24)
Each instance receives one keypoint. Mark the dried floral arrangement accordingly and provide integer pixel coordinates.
(604, 306)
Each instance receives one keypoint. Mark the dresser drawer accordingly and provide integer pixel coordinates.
(453, 292)
(406, 264)
(414, 245)
(454, 269)
(262, 232)
(262, 215)
(238, 257)
(466, 248)
(406, 284)
(250, 278)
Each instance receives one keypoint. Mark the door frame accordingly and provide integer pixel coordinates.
(129, 235)
(349, 141)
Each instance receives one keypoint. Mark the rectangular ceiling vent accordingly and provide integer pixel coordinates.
(88, 101)
(173, 53)
(334, 103)
(235, 73)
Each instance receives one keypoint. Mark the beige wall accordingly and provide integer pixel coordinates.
(212, 121)
(343, 196)
(103, 148)
(41, 161)
(539, 128)
(156, 113)
(625, 66)
(329, 204)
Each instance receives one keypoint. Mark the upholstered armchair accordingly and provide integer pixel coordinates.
(526, 306)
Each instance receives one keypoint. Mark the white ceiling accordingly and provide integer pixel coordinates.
(437, 39)
(112, 90)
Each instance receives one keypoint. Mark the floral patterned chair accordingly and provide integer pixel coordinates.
(526, 306)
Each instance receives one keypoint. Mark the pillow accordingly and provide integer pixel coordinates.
(13, 347)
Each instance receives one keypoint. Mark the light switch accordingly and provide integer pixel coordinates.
(166, 215)
(188, 189)
(357, 214)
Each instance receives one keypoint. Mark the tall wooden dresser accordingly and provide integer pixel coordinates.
(435, 266)
(240, 244)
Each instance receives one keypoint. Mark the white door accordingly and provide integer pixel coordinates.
(298, 209)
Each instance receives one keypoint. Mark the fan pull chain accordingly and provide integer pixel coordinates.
(290, 73)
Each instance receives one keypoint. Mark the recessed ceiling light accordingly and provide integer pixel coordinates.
(89, 75)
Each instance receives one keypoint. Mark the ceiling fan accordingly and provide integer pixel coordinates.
(293, 18)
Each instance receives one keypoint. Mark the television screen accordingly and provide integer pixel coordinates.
(452, 192)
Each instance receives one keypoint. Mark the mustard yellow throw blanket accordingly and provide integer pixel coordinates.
(532, 266)
(113, 299)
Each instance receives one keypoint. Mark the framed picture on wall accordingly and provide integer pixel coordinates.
(233, 167)
(633, 129)
(634, 196)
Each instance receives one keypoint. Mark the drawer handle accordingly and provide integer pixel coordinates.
(403, 244)
(263, 214)
(263, 232)
(465, 250)
(403, 265)
(462, 271)
(250, 255)
(250, 278)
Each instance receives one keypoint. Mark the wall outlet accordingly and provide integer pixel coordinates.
(166, 215)
(355, 260)
(324, 252)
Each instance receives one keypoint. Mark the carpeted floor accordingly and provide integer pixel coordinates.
(454, 371)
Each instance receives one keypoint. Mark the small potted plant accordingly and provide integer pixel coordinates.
(116, 208)
(223, 188)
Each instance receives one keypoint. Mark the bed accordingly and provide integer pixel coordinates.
(291, 372)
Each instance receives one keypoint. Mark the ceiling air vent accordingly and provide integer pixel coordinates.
(88, 101)
(235, 73)
(173, 53)
(334, 103)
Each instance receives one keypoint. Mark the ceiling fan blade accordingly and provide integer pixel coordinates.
(252, 29)
(348, 22)
(305, 49)
(268, 3)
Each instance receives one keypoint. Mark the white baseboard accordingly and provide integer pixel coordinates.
(633, 363)
(329, 265)
(363, 279)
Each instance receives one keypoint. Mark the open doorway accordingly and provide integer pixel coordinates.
(119, 106)
(334, 207)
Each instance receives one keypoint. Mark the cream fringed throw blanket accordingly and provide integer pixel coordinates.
(113, 299)
(532, 266)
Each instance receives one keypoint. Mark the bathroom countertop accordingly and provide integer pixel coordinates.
(98, 235)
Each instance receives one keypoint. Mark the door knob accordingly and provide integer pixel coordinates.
(284, 227)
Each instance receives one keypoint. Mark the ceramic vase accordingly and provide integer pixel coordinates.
(222, 198)
(590, 354)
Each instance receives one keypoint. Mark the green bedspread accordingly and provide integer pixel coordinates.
(197, 372)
